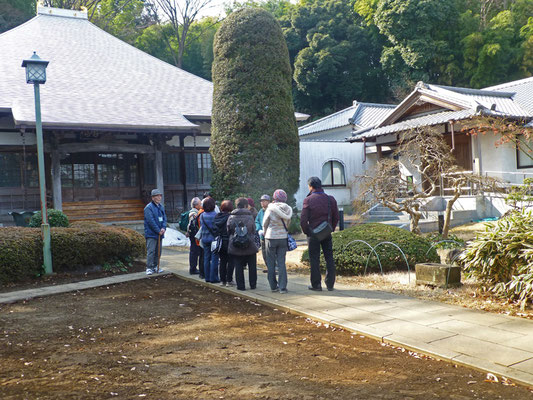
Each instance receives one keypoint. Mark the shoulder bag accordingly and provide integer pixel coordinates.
(324, 229)
(291, 243)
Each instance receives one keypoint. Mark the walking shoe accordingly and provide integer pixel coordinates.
(230, 284)
(275, 290)
(252, 287)
(201, 276)
(330, 289)
(160, 270)
(265, 271)
(283, 291)
(149, 272)
(222, 283)
(194, 272)
(316, 289)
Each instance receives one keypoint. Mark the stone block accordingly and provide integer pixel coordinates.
(436, 274)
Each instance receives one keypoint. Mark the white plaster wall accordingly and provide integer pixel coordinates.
(313, 155)
(15, 139)
(501, 159)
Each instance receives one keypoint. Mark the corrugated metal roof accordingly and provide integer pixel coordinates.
(332, 121)
(370, 114)
(362, 115)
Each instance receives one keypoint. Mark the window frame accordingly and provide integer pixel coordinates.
(333, 184)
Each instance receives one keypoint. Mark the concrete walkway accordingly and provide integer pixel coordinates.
(493, 343)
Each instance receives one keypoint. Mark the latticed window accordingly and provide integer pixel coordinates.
(171, 168)
(15, 167)
(10, 170)
(198, 168)
(333, 174)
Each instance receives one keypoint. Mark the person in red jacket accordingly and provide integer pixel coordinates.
(318, 211)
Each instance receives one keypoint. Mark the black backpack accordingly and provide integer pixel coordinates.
(240, 238)
(192, 228)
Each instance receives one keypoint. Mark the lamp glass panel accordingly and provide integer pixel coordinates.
(35, 73)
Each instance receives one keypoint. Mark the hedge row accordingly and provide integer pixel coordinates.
(81, 245)
(351, 257)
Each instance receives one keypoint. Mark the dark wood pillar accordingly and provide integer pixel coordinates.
(183, 168)
(56, 176)
(159, 181)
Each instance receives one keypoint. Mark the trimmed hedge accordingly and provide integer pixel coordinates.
(350, 259)
(55, 218)
(72, 248)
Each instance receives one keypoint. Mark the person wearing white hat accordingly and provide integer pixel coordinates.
(155, 225)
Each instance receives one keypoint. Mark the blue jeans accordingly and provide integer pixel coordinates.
(210, 263)
(276, 251)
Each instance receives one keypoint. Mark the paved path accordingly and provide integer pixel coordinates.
(493, 343)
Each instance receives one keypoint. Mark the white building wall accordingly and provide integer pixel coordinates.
(500, 161)
(313, 155)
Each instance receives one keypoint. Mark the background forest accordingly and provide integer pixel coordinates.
(340, 50)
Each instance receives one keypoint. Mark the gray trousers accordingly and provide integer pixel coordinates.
(276, 250)
(151, 253)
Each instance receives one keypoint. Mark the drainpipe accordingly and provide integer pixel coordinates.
(453, 135)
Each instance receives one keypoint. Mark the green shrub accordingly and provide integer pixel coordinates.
(350, 259)
(437, 237)
(55, 218)
(501, 257)
(294, 227)
(21, 253)
(72, 248)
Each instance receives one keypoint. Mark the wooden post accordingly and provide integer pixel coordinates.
(183, 168)
(56, 179)
(160, 184)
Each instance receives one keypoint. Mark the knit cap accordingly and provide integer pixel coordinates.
(280, 195)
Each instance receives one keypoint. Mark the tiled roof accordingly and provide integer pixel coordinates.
(523, 90)
(513, 99)
(95, 79)
(426, 120)
(361, 114)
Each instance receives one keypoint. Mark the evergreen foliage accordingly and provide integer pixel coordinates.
(351, 255)
(254, 141)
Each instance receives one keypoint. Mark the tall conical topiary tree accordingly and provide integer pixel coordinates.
(254, 138)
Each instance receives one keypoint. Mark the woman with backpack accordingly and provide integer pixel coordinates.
(207, 226)
(275, 225)
(241, 230)
(221, 230)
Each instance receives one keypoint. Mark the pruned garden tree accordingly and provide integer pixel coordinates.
(254, 138)
(424, 152)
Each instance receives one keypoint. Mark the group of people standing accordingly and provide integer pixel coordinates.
(225, 241)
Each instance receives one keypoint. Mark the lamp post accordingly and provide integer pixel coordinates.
(36, 75)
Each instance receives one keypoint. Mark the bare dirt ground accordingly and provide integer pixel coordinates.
(163, 338)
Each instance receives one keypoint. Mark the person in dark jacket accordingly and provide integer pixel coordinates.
(221, 229)
(207, 224)
(319, 207)
(155, 225)
(241, 230)
(196, 253)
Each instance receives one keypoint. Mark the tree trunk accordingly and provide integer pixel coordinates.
(415, 218)
(448, 215)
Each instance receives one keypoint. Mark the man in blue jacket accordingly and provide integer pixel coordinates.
(155, 224)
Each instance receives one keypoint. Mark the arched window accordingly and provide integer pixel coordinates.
(333, 174)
